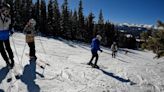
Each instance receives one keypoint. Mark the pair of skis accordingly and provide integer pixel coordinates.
(14, 71)
(38, 62)
(95, 67)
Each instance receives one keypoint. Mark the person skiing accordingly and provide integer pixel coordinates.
(95, 46)
(29, 31)
(5, 32)
(114, 49)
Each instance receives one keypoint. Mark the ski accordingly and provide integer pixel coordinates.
(11, 74)
(16, 77)
(96, 67)
(44, 62)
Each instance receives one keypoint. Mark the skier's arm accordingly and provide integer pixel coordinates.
(111, 47)
(35, 31)
(10, 28)
(25, 29)
(98, 46)
(116, 48)
(10, 25)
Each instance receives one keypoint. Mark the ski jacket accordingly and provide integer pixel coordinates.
(4, 27)
(95, 45)
(114, 47)
(29, 31)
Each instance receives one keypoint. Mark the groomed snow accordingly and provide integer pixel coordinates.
(136, 71)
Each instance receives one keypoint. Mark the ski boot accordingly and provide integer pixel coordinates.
(95, 66)
(90, 63)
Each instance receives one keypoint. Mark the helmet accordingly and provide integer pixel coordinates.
(99, 37)
(6, 6)
(32, 21)
(114, 43)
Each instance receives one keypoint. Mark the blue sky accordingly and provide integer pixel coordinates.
(120, 11)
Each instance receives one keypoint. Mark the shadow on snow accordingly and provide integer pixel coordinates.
(28, 77)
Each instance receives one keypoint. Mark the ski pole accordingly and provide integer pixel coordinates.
(43, 47)
(23, 54)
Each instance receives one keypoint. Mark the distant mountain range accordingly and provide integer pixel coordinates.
(134, 29)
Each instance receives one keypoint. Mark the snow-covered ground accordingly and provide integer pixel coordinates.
(136, 71)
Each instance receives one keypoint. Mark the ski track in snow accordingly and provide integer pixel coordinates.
(136, 71)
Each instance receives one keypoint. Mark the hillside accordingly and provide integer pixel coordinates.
(136, 71)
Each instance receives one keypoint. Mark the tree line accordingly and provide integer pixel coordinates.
(154, 39)
(61, 21)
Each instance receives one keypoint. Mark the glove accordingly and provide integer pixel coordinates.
(101, 50)
(11, 32)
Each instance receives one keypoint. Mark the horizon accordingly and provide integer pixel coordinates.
(121, 11)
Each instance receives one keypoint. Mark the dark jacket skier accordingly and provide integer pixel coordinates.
(29, 31)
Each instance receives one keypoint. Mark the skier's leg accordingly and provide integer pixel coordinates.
(112, 54)
(93, 55)
(32, 50)
(30, 47)
(97, 57)
(95, 64)
(9, 51)
(90, 62)
(3, 53)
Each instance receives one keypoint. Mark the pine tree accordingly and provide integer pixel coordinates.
(80, 21)
(56, 20)
(101, 18)
(111, 34)
(36, 14)
(43, 18)
(74, 25)
(17, 15)
(65, 20)
(156, 41)
(90, 27)
(23, 13)
(144, 36)
(80, 15)
(50, 11)
(50, 17)
(100, 22)
(29, 6)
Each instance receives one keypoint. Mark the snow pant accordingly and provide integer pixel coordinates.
(114, 54)
(32, 49)
(5, 46)
(94, 55)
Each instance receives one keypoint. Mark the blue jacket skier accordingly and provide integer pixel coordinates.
(95, 47)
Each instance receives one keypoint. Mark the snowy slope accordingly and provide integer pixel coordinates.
(136, 71)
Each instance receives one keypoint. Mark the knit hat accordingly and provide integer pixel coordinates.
(99, 37)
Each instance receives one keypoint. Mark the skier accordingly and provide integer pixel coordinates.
(95, 46)
(5, 32)
(29, 31)
(114, 49)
